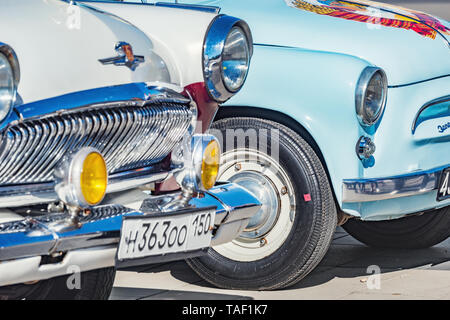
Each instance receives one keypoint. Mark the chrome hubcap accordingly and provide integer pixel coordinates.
(269, 227)
(264, 190)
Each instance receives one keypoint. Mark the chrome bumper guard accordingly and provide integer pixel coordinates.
(413, 184)
(40, 236)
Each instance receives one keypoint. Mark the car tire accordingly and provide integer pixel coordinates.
(292, 233)
(413, 232)
(94, 285)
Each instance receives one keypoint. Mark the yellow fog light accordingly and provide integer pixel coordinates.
(94, 178)
(198, 158)
(210, 164)
(82, 178)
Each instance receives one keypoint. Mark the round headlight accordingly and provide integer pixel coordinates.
(7, 86)
(82, 178)
(371, 94)
(226, 56)
(235, 59)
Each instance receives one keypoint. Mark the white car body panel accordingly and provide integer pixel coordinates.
(181, 35)
(60, 29)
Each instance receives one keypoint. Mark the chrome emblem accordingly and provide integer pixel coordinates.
(126, 57)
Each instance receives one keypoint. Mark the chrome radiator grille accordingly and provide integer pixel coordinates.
(129, 137)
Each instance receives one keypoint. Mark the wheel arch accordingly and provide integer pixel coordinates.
(312, 92)
(284, 119)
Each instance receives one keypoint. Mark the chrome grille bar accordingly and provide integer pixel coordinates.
(129, 135)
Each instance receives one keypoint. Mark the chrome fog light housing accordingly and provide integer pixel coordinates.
(371, 95)
(9, 79)
(227, 51)
(82, 178)
(198, 159)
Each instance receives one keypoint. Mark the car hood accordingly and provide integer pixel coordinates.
(410, 46)
(59, 45)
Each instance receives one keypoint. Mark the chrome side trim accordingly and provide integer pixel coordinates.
(415, 123)
(35, 236)
(195, 7)
(416, 183)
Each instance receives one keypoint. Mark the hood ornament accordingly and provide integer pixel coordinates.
(126, 57)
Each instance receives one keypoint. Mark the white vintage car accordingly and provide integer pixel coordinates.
(102, 119)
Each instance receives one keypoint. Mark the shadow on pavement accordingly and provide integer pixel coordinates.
(123, 293)
(346, 258)
(351, 262)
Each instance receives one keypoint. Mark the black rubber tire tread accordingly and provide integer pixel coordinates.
(324, 218)
(36, 291)
(413, 232)
(95, 285)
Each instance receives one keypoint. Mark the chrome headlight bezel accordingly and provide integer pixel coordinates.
(364, 81)
(213, 49)
(11, 58)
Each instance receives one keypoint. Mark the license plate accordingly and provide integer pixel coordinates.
(444, 185)
(144, 237)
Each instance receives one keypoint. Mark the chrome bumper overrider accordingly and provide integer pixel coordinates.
(40, 236)
(416, 183)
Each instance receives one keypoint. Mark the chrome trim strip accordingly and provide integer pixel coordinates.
(132, 94)
(195, 7)
(426, 106)
(30, 194)
(39, 236)
(412, 184)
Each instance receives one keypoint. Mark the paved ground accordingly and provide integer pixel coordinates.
(417, 274)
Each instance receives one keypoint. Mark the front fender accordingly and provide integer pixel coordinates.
(316, 89)
(177, 33)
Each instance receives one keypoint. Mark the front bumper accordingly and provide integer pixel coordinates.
(393, 197)
(412, 184)
(41, 235)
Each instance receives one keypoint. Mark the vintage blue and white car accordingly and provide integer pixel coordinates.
(101, 122)
(345, 114)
